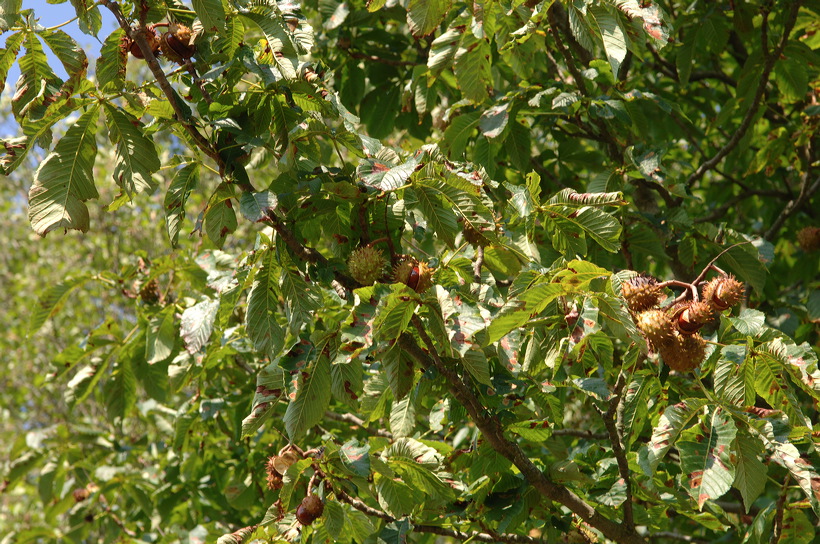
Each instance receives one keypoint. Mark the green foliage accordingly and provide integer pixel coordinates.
(197, 359)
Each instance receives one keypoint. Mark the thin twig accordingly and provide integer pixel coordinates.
(777, 524)
(746, 123)
(493, 433)
(479, 262)
(806, 191)
(350, 418)
(579, 433)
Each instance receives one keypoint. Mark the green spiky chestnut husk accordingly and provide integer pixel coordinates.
(655, 325)
(683, 353)
(641, 293)
(809, 238)
(690, 316)
(366, 265)
(722, 292)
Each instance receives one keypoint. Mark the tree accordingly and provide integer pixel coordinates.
(502, 271)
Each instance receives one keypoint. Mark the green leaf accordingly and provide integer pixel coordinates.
(396, 497)
(494, 120)
(443, 51)
(750, 472)
(347, 381)
(9, 15)
(52, 301)
(672, 422)
(518, 145)
(8, 55)
(280, 40)
(137, 157)
(220, 219)
(612, 33)
(441, 220)
(403, 417)
(312, 399)
(89, 15)
(255, 206)
(65, 179)
(197, 323)
(290, 479)
(597, 224)
(160, 336)
(120, 391)
(394, 313)
(792, 79)
(707, 460)
(637, 396)
(185, 180)
(110, 69)
(477, 365)
(424, 16)
(533, 430)
(458, 133)
(302, 298)
(264, 330)
(732, 380)
(472, 67)
(355, 457)
(797, 527)
(211, 13)
(398, 366)
(749, 322)
(570, 197)
(270, 387)
(68, 52)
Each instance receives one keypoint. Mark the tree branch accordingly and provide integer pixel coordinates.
(806, 191)
(746, 123)
(616, 439)
(493, 432)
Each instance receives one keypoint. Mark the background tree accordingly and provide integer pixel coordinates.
(426, 319)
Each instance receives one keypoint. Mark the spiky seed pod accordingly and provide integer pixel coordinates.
(809, 238)
(150, 292)
(310, 509)
(722, 292)
(641, 293)
(406, 271)
(80, 494)
(690, 316)
(366, 265)
(425, 280)
(176, 44)
(655, 325)
(683, 352)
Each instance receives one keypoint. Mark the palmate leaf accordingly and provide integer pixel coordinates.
(137, 156)
(37, 82)
(771, 384)
(636, 404)
(89, 15)
(302, 298)
(261, 324)
(312, 398)
(160, 336)
(120, 391)
(65, 180)
(9, 13)
(385, 175)
(570, 197)
(458, 133)
(472, 67)
(707, 459)
(580, 28)
(799, 362)
(424, 16)
(185, 180)
(347, 381)
(8, 56)
(255, 206)
(399, 369)
(279, 39)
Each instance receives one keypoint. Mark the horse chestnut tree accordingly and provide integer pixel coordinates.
(367, 270)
